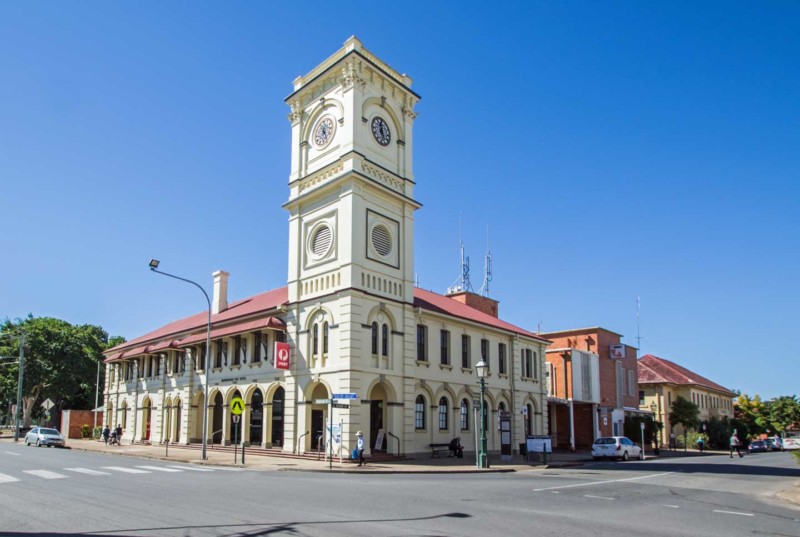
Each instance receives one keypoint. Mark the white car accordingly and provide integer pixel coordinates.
(791, 443)
(42, 436)
(616, 447)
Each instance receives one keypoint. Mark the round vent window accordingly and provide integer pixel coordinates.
(381, 240)
(321, 241)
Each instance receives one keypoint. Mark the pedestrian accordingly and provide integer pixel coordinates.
(700, 443)
(106, 434)
(118, 430)
(360, 448)
(736, 444)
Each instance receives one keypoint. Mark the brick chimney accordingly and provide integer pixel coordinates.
(478, 302)
(220, 300)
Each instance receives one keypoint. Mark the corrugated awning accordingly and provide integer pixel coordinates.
(216, 333)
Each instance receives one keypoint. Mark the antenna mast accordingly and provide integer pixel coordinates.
(638, 337)
(462, 283)
(487, 268)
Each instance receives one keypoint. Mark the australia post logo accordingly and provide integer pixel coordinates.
(281, 355)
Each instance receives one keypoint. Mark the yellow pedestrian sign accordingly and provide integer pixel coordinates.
(237, 405)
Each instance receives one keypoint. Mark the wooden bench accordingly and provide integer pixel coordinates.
(440, 448)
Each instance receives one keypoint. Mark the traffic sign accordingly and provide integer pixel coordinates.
(237, 406)
(344, 396)
(341, 405)
(322, 401)
(47, 404)
(235, 418)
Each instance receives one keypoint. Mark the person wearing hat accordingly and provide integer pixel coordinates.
(360, 448)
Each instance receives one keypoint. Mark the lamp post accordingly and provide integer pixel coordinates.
(654, 407)
(154, 267)
(483, 368)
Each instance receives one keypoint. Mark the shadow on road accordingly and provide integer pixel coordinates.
(734, 467)
(255, 529)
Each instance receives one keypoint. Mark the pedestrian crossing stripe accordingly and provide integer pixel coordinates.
(159, 468)
(86, 471)
(191, 468)
(7, 478)
(125, 470)
(45, 474)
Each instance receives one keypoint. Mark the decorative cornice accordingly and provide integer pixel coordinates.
(351, 76)
(320, 177)
(382, 177)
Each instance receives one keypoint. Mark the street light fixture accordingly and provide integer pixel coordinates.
(483, 368)
(154, 266)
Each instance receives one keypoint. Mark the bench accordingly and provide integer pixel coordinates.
(440, 448)
(453, 448)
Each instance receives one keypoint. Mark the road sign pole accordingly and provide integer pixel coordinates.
(236, 443)
(330, 435)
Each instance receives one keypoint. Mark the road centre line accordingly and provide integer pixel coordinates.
(598, 497)
(733, 513)
(603, 482)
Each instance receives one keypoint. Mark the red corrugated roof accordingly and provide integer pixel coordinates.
(241, 308)
(270, 300)
(655, 370)
(441, 304)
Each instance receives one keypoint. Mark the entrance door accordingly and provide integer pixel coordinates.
(277, 417)
(256, 418)
(216, 437)
(317, 428)
(147, 421)
(376, 424)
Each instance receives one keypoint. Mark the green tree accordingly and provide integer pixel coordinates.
(684, 413)
(752, 412)
(783, 412)
(60, 362)
(633, 429)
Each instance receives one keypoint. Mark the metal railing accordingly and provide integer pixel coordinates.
(212, 438)
(299, 439)
(398, 441)
(319, 444)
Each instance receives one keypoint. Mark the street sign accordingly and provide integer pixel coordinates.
(237, 406)
(642, 425)
(341, 405)
(48, 404)
(344, 396)
(235, 418)
(322, 401)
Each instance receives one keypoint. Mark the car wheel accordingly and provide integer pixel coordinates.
(38, 443)
(641, 455)
(27, 443)
(624, 455)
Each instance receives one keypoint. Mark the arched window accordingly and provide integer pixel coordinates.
(385, 340)
(325, 338)
(464, 415)
(315, 337)
(374, 338)
(443, 414)
(419, 413)
(501, 407)
(529, 419)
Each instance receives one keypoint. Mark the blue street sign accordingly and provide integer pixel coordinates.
(344, 396)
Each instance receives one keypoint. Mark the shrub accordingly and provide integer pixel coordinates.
(86, 431)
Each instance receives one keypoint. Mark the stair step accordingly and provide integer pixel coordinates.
(278, 452)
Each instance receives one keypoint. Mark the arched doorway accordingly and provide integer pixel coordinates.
(235, 430)
(177, 422)
(318, 414)
(146, 413)
(256, 418)
(377, 418)
(196, 417)
(167, 420)
(216, 437)
(122, 419)
(277, 417)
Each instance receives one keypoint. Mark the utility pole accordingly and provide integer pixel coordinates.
(19, 385)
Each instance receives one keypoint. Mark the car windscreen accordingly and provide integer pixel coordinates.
(48, 431)
(605, 441)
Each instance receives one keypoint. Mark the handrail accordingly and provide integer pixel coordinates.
(398, 441)
(319, 444)
(299, 438)
(212, 437)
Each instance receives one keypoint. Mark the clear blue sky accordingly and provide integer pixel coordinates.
(614, 149)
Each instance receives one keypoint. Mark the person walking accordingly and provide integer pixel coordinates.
(106, 434)
(700, 443)
(736, 444)
(118, 430)
(360, 448)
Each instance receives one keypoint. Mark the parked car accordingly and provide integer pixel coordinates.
(791, 443)
(616, 447)
(758, 446)
(42, 436)
(773, 444)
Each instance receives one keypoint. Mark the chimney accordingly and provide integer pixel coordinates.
(220, 300)
(481, 303)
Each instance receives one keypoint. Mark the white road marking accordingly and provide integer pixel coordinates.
(7, 478)
(45, 474)
(159, 468)
(733, 513)
(192, 468)
(598, 497)
(555, 492)
(603, 482)
(125, 470)
(672, 506)
(86, 471)
(12, 453)
(228, 469)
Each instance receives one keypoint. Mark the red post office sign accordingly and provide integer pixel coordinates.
(281, 355)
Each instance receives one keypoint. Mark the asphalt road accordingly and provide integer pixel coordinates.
(59, 492)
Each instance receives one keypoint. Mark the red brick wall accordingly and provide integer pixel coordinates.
(480, 303)
(77, 419)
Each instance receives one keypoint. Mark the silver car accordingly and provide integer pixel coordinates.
(42, 436)
(616, 447)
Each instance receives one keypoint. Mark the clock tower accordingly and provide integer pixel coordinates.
(351, 233)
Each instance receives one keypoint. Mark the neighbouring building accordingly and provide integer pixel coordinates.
(662, 381)
(592, 385)
(349, 320)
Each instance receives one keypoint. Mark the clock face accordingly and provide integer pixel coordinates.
(324, 132)
(380, 131)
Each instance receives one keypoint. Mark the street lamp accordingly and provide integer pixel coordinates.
(483, 368)
(654, 407)
(154, 267)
